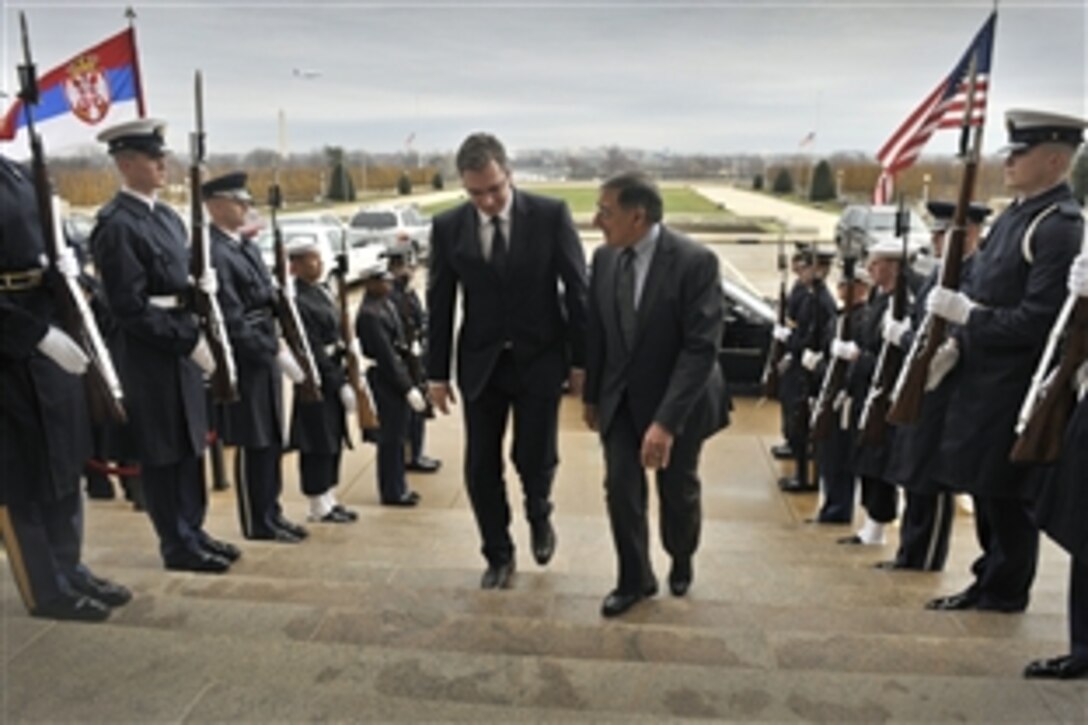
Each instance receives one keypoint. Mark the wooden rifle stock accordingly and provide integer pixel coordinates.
(365, 409)
(823, 413)
(287, 312)
(771, 372)
(224, 379)
(105, 397)
(1051, 400)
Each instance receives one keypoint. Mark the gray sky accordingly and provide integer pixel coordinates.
(686, 76)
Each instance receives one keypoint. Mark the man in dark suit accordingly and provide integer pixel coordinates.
(518, 262)
(653, 390)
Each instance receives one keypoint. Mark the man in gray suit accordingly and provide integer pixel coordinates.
(653, 388)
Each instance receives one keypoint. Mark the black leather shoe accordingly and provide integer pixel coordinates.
(332, 517)
(851, 540)
(616, 603)
(411, 498)
(198, 561)
(967, 599)
(344, 511)
(1066, 667)
(280, 522)
(498, 576)
(543, 540)
(680, 577)
(277, 534)
(782, 452)
(791, 485)
(73, 608)
(890, 565)
(225, 549)
(423, 464)
(827, 522)
(105, 591)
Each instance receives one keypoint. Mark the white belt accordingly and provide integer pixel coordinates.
(166, 302)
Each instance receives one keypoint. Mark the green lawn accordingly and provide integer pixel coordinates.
(582, 200)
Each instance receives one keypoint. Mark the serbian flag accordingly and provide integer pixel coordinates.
(91, 91)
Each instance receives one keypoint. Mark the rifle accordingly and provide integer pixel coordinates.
(286, 311)
(777, 350)
(224, 380)
(911, 385)
(872, 423)
(105, 397)
(823, 414)
(1050, 399)
(365, 409)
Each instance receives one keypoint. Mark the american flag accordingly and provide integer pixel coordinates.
(945, 107)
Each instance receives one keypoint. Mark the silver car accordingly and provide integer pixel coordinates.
(391, 224)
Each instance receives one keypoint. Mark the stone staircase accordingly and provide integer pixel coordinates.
(383, 619)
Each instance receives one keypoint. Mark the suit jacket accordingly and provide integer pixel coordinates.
(524, 309)
(671, 374)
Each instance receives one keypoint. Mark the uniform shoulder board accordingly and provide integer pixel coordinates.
(1070, 208)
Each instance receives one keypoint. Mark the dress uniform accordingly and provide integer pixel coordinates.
(414, 319)
(140, 248)
(1003, 317)
(1061, 511)
(878, 497)
(926, 527)
(319, 428)
(835, 454)
(44, 426)
(380, 334)
(789, 374)
(253, 423)
(815, 327)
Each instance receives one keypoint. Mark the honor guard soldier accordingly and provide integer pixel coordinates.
(835, 454)
(381, 335)
(253, 423)
(140, 250)
(925, 530)
(1061, 510)
(799, 263)
(1004, 315)
(806, 347)
(319, 428)
(413, 317)
(44, 426)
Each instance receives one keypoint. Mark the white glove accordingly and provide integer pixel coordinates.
(202, 356)
(942, 363)
(1080, 381)
(847, 350)
(784, 363)
(289, 366)
(951, 305)
(417, 349)
(64, 351)
(67, 263)
(782, 333)
(1078, 276)
(810, 359)
(347, 397)
(894, 330)
(355, 348)
(416, 401)
(208, 282)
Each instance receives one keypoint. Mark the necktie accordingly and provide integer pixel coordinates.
(625, 296)
(498, 246)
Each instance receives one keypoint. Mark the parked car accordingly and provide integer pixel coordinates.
(391, 224)
(749, 321)
(329, 239)
(862, 225)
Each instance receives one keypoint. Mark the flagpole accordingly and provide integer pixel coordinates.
(137, 80)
